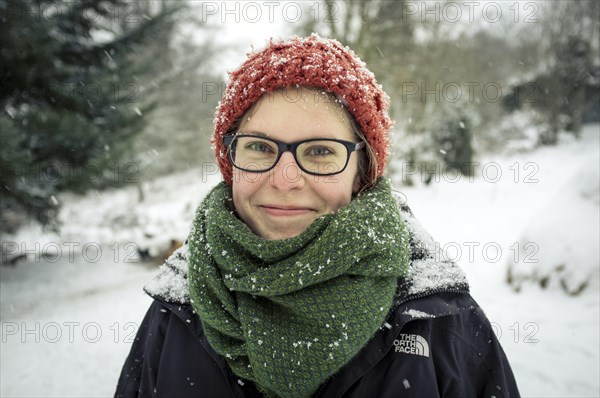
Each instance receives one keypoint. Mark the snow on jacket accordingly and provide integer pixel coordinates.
(437, 342)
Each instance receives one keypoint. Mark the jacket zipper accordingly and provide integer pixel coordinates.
(416, 296)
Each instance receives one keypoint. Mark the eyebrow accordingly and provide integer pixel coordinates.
(259, 133)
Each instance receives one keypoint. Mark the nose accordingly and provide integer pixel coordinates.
(286, 175)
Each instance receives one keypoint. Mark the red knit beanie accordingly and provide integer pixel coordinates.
(309, 62)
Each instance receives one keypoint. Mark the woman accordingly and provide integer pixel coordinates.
(302, 275)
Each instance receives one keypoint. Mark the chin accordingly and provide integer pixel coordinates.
(279, 235)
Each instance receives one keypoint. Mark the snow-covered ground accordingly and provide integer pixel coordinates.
(68, 319)
(552, 339)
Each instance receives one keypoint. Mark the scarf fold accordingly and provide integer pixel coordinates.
(288, 314)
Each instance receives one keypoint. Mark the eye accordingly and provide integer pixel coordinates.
(319, 150)
(258, 146)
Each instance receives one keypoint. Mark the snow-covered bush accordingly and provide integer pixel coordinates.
(519, 131)
(560, 249)
(445, 145)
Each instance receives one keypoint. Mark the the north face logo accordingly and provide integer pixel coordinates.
(412, 344)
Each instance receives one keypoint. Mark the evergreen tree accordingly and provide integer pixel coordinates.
(74, 93)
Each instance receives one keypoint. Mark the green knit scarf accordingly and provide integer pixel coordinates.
(288, 314)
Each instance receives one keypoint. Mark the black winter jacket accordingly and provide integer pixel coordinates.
(436, 342)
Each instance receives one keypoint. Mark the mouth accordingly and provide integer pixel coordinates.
(281, 210)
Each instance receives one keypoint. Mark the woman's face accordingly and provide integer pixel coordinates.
(284, 201)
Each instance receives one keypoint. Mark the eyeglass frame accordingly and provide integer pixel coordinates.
(283, 147)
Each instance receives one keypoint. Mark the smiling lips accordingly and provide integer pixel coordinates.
(279, 210)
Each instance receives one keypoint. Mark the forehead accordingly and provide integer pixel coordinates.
(296, 114)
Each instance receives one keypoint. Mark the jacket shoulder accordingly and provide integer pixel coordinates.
(460, 344)
(170, 357)
(171, 283)
(430, 269)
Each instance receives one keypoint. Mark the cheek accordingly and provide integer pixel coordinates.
(337, 199)
(336, 190)
(244, 186)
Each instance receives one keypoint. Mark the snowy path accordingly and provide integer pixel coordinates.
(65, 338)
(67, 326)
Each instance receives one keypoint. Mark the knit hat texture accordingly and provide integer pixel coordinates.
(308, 62)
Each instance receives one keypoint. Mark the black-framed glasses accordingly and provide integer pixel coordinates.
(316, 156)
